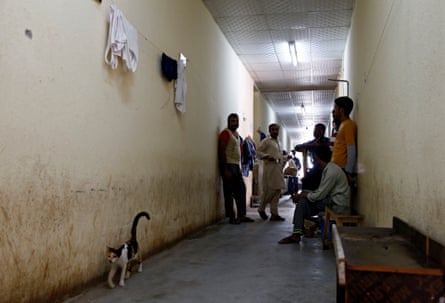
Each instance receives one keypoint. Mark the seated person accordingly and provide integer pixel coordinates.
(333, 190)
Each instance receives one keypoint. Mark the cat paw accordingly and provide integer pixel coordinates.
(111, 285)
(121, 283)
(140, 269)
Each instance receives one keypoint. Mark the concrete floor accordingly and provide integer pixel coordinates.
(231, 263)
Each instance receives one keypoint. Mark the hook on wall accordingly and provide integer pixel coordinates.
(345, 81)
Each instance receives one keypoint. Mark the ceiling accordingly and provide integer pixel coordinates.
(260, 30)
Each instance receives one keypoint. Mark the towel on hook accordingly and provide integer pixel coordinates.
(122, 41)
(181, 84)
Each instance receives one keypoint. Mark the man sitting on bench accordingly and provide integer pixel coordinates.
(333, 190)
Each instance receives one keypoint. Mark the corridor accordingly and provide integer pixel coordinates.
(231, 263)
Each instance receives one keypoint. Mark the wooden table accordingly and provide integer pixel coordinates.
(396, 264)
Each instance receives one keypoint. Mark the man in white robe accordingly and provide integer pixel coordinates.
(273, 160)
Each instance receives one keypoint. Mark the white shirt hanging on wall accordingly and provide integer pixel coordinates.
(181, 84)
(122, 41)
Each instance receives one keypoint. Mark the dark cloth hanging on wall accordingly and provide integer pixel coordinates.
(248, 156)
(169, 67)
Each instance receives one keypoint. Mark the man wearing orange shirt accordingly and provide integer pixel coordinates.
(344, 153)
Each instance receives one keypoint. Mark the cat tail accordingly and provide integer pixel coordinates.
(135, 223)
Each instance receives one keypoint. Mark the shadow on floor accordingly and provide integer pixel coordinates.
(231, 263)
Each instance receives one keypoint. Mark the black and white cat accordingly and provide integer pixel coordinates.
(124, 256)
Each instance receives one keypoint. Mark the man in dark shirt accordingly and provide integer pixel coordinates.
(311, 177)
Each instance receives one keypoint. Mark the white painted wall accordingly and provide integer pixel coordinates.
(83, 148)
(264, 116)
(396, 65)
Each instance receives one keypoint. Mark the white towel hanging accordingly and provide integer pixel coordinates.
(122, 41)
(181, 84)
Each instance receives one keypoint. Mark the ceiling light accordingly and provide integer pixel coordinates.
(301, 110)
(293, 52)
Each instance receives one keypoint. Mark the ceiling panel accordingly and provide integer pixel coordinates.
(259, 32)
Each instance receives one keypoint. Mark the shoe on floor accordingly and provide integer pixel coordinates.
(263, 214)
(245, 219)
(234, 221)
(276, 218)
(294, 238)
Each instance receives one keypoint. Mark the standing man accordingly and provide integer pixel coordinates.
(296, 160)
(344, 153)
(273, 180)
(311, 178)
(229, 155)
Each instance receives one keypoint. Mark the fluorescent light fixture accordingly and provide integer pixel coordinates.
(293, 52)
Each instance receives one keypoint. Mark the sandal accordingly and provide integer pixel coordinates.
(295, 238)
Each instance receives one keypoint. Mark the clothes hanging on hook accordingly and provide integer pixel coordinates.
(122, 41)
(169, 67)
(181, 85)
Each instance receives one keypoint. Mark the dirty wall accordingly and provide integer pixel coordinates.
(395, 64)
(83, 148)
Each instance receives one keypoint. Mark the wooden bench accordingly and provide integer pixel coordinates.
(343, 216)
(397, 264)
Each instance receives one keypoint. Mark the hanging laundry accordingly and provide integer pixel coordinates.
(122, 41)
(181, 84)
(248, 156)
(169, 67)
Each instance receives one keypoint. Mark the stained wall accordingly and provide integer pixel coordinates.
(83, 148)
(395, 63)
